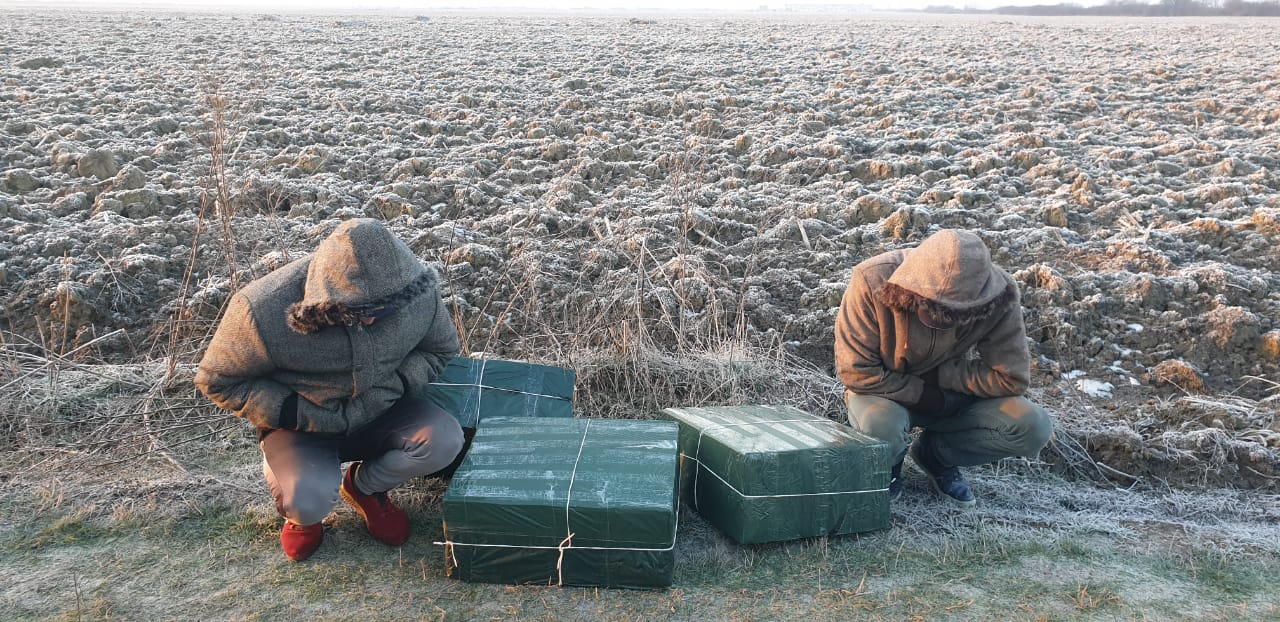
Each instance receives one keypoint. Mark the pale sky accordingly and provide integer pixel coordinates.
(665, 5)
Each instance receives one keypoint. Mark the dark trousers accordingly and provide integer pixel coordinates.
(967, 432)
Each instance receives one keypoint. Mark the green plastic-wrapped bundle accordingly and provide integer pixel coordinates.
(772, 473)
(473, 389)
(565, 502)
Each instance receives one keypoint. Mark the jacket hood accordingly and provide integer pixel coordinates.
(360, 266)
(951, 275)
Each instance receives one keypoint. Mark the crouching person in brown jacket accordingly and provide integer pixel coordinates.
(908, 327)
(326, 357)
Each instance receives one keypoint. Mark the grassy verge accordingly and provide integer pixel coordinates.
(152, 543)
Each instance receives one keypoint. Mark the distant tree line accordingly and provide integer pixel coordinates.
(1163, 8)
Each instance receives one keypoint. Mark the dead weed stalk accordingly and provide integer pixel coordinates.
(668, 329)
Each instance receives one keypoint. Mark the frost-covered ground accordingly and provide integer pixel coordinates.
(694, 178)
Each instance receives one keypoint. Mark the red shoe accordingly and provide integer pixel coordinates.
(300, 541)
(387, 523)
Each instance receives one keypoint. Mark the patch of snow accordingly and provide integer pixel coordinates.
(1095, 388)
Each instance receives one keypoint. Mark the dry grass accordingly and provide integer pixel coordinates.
(71, 406)
(1089, 598)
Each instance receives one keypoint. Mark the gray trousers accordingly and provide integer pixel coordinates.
(966, 432)
(414, 438)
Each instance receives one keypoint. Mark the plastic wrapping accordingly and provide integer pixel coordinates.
(565, 502)
(472, 389)
(773, 473)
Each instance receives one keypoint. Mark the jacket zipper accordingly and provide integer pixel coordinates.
(355, 372)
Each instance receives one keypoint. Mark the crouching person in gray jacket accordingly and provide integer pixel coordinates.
(326, 357)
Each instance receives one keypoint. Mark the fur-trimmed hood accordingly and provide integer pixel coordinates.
(900, 297)
(950, 275)
(308, 319)
(360, 266)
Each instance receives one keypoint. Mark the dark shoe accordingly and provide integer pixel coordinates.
(387, 523)
(947, 480)
(300, 541)
(895, 480)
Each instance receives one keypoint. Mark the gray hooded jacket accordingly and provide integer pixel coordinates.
(295, 336)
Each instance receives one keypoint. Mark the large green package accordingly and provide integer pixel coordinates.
(472, 389)
(565, 502)
(772, 473)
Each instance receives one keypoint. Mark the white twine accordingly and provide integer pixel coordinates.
(701, 465)
(567, 542)
(564, 544)
(480, 387)
(493, 388)
(448, 544)
(568, 496)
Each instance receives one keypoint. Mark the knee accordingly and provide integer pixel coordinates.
(306, 506)
(437, 445)
(880, 418)
(1033, 427)
(447, 441)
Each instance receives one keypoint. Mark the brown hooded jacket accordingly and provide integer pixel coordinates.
(882, 348)
(297, 331)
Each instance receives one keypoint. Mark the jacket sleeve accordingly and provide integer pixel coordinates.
(1003, 366)
(425, 362)
(234, 371)
(858, 360)
(336, 416)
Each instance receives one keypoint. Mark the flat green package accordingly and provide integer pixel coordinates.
(773, 473)
(588, 502)
(475, 389)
